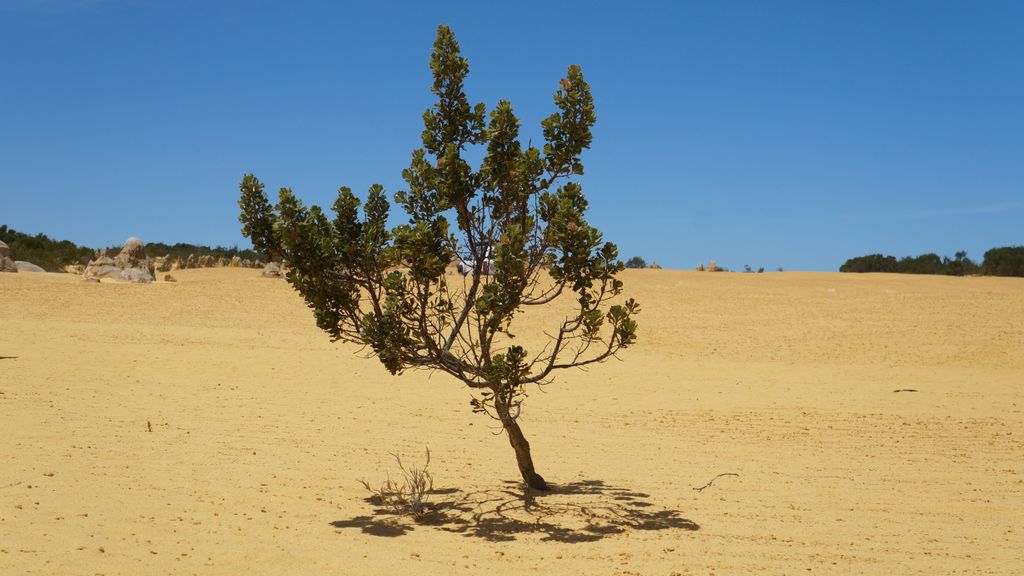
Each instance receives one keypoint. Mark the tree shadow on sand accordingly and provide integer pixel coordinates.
(584, 511)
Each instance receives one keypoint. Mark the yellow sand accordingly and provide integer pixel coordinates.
(261, 427)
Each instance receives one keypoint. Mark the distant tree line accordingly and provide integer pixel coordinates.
(182, 250)
(1007, 261)
(53, 255)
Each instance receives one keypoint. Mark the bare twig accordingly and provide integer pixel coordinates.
(712, 481)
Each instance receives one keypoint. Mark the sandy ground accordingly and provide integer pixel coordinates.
(260, 427)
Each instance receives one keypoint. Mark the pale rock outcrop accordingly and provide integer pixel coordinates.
(6, 264)
(162, 263)
(131, 264)
(132, 255)
(27, 266)
(272, 270)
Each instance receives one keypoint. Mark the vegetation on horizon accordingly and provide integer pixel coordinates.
(636, 262)
(388, 290)
(49, 254)
(53, 255)
(1007, 261)
(182, 250)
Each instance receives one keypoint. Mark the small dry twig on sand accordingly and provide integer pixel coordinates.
(712, 481)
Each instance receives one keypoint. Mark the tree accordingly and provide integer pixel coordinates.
(1005, 261)
(960, 265)
(870, 263)
(636, 262)
(389, 290)
(258, 218)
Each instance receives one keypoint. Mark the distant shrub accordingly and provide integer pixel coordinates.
(636, 262)
(182, 250)
(51, 255)
(929, 263)
(54, 255)
(960, 265)
(1006, 261)
(870, 263)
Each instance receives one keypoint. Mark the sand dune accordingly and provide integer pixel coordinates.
(260, 428)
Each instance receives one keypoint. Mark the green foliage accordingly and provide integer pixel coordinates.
(636, 262)
(1006, 261)
(870, 263)
(51, 255)
(929, 263)
(389, 290)
(54, 255)
(257, 218)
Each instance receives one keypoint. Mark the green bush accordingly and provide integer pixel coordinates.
(931, 263)
(1006, 261)
(636, 262)
(51, 255)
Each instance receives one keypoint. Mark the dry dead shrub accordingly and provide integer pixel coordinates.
(406, 496)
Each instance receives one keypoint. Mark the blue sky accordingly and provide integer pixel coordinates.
(775, 134)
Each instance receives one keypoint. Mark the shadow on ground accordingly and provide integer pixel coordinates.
(584, 511)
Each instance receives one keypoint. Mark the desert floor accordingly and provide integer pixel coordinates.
(874, 424)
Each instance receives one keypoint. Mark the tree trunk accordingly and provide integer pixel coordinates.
(522, 448)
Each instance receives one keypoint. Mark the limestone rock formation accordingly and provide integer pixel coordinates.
(132, 255)
(272, 270)
(23, 266)
(6, 264)
(130, 264)
(162, 263)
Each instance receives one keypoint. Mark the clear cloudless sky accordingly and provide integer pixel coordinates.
(776, 134)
